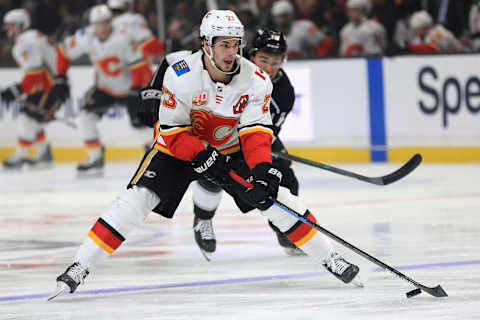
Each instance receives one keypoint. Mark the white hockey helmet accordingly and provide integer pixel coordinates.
(221, 23)
(282, 7)
(20, 17)
(363, 5)
(99, 13)
(420, 19)
(119, 4)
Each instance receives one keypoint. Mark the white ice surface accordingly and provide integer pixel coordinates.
(426, 225)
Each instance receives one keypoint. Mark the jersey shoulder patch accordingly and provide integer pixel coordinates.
(181, 67)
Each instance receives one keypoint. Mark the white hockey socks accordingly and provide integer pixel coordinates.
(205, 199)
(129, 210)
(312, 242)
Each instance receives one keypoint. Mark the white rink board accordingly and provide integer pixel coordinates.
(410, 81)
(332, 107)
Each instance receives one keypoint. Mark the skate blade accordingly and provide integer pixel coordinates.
(41, 166)
(207, 255)
(90, 174)
(294, 252)
(61, 288)
(357, 282)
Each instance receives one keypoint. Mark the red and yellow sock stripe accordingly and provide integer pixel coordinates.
(301, 233)
(41, 137)
(24, 143)
(93, 144)
(105, 236)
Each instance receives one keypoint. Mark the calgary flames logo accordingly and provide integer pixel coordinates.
(213, 129)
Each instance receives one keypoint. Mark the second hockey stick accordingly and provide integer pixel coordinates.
(398, 174)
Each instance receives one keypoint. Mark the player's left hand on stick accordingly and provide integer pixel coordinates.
(266, 181)
(60, 89)
(148, 111)
(11, 93)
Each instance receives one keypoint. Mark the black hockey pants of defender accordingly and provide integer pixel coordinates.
(98, 101)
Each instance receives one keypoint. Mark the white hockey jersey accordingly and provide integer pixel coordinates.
(36, 57)
(442, 39)
(112, 59)
(303, 37)
(196, 111)
(133, 23)
(368, 37)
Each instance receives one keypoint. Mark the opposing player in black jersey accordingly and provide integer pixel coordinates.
(267, 51)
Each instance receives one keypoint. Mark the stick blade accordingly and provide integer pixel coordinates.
(436, 292)
(403, 171)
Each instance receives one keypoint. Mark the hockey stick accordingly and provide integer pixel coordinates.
(408, 167)
(434, 291)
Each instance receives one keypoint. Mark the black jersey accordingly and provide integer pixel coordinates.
(283, 97)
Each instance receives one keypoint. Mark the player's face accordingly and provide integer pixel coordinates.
(225, 50)
(269, 62)
(283, 21)
(353, 15)
(421, 32)
(11, 29)
(103, 29)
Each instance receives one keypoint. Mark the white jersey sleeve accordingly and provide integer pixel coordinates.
(78, 44)
(33, 51)
(444, 40)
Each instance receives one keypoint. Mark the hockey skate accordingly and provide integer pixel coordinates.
(15, 162)
(342, 269)
(43, 160)
(69, 280)
(204, 236)
(289, 248)
(93, 167)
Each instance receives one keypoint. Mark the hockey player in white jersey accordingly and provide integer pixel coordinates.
(430, 38)
(361, 36)
(119, 74)
(214, 118)
(304, 38)
(36, 58)
(134, 23)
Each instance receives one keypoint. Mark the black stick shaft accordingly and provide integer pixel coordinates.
(437, 292)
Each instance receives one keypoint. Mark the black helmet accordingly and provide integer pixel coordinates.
(270, 41)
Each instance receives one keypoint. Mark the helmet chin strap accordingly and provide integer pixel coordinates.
(210, 57)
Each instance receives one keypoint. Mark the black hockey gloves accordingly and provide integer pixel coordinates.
(266, 180)
(11, 93)
(148, 112)
(60, 90)
(213, 165)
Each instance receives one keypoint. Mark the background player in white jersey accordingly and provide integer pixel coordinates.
(361, 36)
(36, 57)
(126, 20)
(304, 38)
(214, 117)
(119, 75)
(430, 38)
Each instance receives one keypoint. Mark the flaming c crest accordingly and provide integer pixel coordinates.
(213, 129)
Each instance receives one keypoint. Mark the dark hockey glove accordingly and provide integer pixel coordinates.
(213, 166)
(133, 104)
(266, 180)
(11, 93)
(148, 111)
(60, 90)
